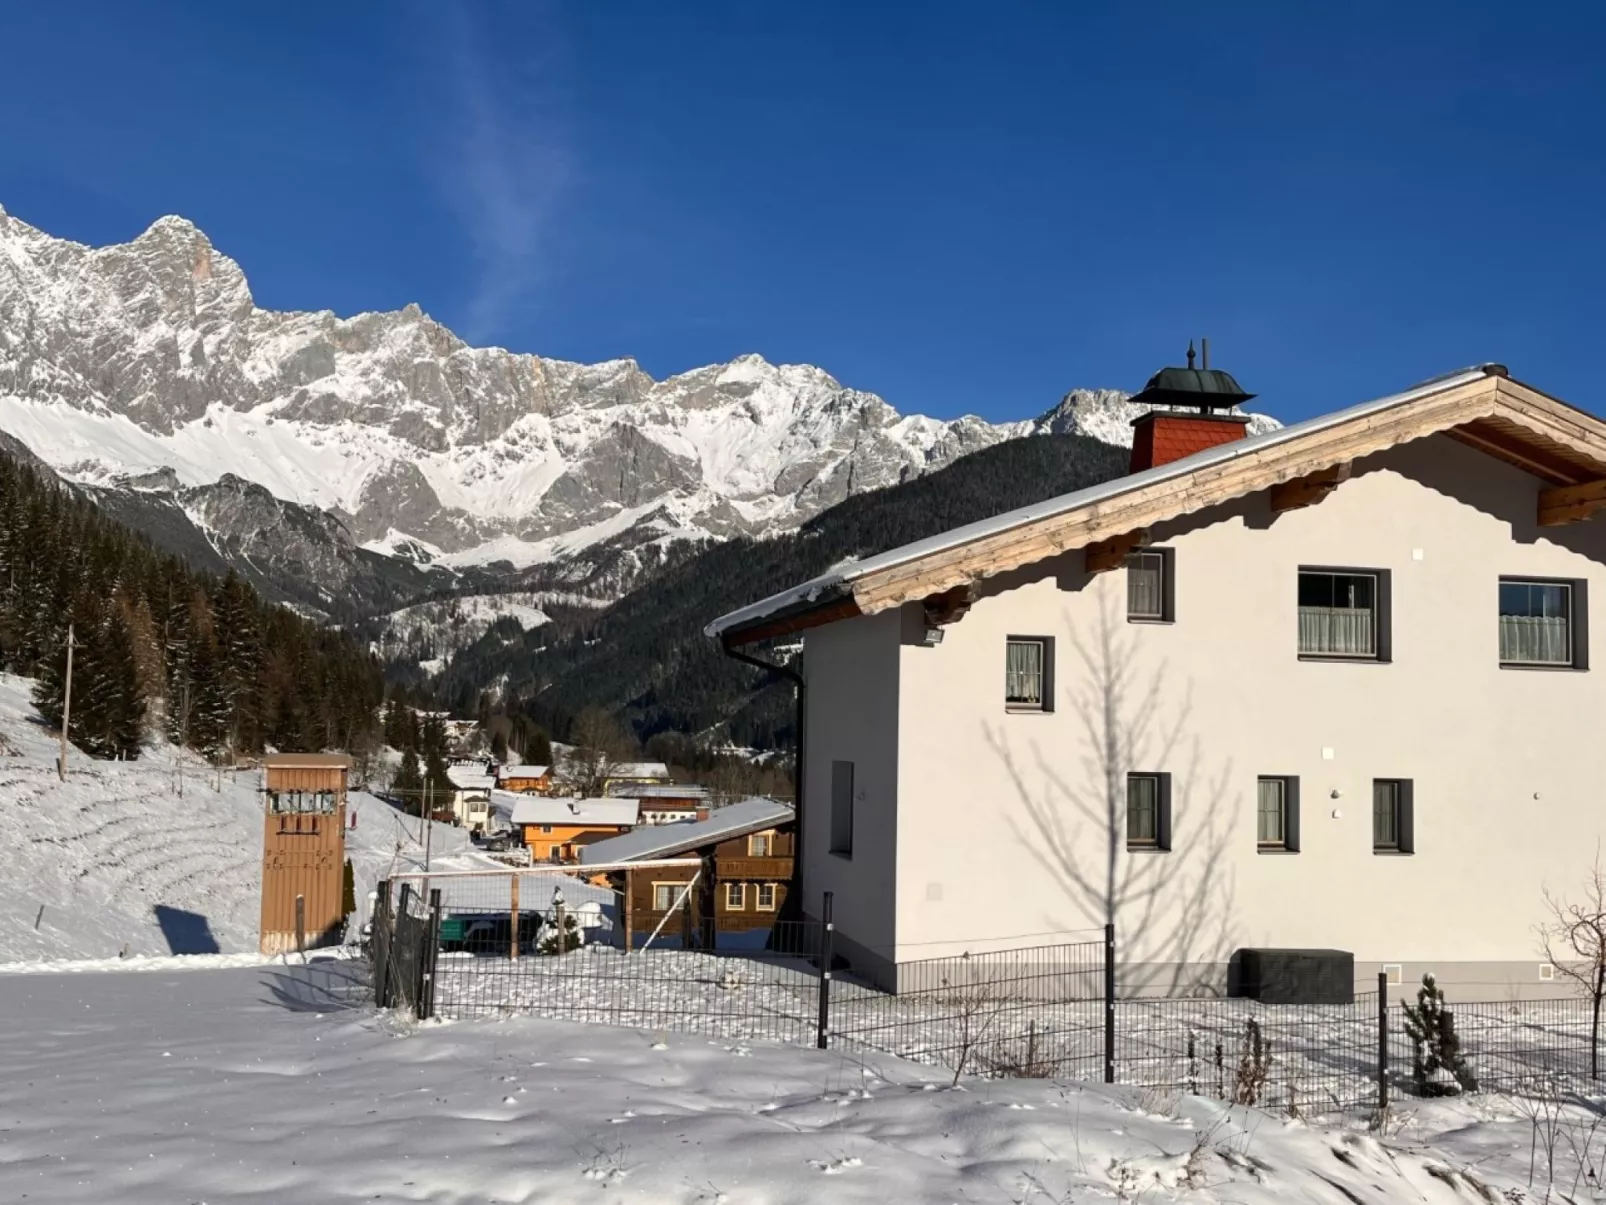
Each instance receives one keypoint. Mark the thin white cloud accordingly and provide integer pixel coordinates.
(503, 161)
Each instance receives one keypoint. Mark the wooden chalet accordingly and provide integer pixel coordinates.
(747, 852)
(524, 780)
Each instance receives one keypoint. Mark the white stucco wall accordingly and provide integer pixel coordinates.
(1000, 817)
(852, 671)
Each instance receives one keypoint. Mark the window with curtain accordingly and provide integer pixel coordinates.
(1143, 810)
(735, 897)
(1271, 814)
(1338, 614)
(1145, 585)
(663, 896)
(1023, 674)
(1536, 622)
(758, 845)
(766, 897)
(1385, 814)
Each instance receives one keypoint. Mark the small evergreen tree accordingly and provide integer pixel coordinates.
(539, 752)
(499, 746)
(1437, 1047)
(409, 782)
(558, 940)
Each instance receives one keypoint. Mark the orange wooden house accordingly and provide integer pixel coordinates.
(525, 780)
(303, 849)
(557, 829)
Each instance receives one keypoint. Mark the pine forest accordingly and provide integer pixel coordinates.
(160, 647)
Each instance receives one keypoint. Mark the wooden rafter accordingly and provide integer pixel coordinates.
(948, 607)
(1494, 443)
(1105, 555)
(1571, 503)
(1309, 489)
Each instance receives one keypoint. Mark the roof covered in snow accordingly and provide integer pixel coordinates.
(470, 778)
(663, 790)
(664, 840)
(506, 772)
(548, 809)
(637, 769)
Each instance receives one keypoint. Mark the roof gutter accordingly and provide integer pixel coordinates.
(792, 905)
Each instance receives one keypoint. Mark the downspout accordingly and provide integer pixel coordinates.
(792, 907)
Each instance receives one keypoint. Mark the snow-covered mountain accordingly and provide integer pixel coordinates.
(146, 366)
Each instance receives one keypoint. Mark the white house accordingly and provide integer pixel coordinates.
(1327, 687)
(471, 794)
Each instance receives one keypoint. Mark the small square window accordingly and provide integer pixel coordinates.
(1342, 614)
(1394, 974)
(1148, 586)
(1148, 811)
(766, 897)
(1028, 673)
(735, 897)
(1540, 623)
(664, 895)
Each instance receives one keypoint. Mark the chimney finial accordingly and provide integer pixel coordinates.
(1190, 353)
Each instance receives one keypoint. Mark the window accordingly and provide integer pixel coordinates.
(1148, 586)
(1541, 623)
(664, 896)
(1148, 811)
(1029, 673)
(1343, 613)
(761, 845)
(546, 828)
(766, 897)
(735, 897)
(842, 808)
(1277, 815)
(1393, 820)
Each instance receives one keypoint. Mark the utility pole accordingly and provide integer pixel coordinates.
(429, 827)
(183, 729)
(66, 707)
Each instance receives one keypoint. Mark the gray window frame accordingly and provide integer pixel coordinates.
(1045, 685)
(1161, 841)
(1289, 843)
(1404, 817)
(1168, 608)
(1577, 622)
(1382, 614)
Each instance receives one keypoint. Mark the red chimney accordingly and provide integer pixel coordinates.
(1189, 416)
(1161, 436)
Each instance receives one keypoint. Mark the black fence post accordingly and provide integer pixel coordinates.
(822, 1032)
(379, 944)
(1109, 1003)
(432, 945)
(1382, 1040)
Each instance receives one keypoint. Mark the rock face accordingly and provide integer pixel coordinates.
(147, 366)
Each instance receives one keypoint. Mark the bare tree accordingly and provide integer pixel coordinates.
(599, 742)
(1177, 905)
(1574, 943)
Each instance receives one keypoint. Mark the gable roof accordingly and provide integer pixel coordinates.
(662, 840)
(636, 769)
(470, 778)
(505, 772)
(1481, 406)
(549, 809)
(306, 761)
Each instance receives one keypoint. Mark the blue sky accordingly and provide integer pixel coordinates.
(960, 207)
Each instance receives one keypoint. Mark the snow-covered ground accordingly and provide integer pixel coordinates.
(279, 1084)
(115, 861)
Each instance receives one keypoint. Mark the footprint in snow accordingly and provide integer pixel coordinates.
(837, 1166)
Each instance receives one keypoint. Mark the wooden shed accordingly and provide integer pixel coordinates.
(303, 848)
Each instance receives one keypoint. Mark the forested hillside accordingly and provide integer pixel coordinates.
(645, 657)
(159, 644)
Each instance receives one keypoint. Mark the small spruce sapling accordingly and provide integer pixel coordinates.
(1438, 1065)
(566, 932)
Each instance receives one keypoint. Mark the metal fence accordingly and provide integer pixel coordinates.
(567, 951)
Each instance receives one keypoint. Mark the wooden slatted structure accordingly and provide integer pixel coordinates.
(303, 848)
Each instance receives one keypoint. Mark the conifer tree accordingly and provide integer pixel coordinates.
(1431, 1028)
(409, 782)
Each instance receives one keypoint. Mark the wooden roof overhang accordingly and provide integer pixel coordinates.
(1561, 445)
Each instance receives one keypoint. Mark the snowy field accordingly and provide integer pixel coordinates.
(277, 1084)
(116, 862)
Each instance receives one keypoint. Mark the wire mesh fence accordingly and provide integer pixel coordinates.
(555, 945)
(1295, 1058)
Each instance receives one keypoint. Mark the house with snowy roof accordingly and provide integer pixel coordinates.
(746, 850)
(1330, 686)
(556, 829)
(471, 794)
